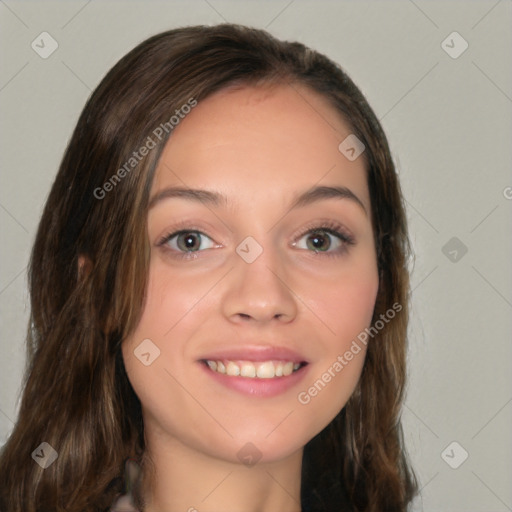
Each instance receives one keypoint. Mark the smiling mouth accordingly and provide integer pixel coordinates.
(254, 370)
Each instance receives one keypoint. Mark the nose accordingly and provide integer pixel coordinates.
(260, 291)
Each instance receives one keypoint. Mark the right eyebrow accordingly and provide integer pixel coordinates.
(203, 196)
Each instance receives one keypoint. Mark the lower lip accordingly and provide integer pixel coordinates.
(258, 387)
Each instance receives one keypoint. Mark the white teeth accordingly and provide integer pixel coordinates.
(248, 370)
(288, 369)
(232, 369)
(266, 371)
(262, 370)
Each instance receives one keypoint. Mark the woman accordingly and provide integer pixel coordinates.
(218, 292)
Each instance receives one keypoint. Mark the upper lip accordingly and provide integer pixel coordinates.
(256, 354)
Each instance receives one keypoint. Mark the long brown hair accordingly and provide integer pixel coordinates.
(88, 274)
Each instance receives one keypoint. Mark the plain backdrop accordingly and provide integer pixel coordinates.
(447, 112)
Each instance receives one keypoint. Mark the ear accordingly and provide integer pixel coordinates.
(84, 266)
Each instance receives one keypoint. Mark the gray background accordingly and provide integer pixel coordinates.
(449, 125)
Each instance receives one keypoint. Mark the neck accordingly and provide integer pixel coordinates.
(180, 479)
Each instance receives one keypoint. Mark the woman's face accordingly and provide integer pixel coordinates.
(262, 263)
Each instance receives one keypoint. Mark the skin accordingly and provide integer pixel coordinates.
(260, 148)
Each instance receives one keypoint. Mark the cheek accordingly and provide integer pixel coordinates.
(349, 309)
(170, 297)
(162, 311)
(174, 306)
(346, 301)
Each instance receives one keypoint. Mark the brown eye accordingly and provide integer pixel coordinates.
(319, 241)
(189, 241)
(322, 240)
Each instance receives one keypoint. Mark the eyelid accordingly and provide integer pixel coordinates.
(164, 242)
(177, 253)
(176, 232)
(199, 226)
(329, 226)
(181, 226)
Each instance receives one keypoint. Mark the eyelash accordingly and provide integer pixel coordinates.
(329, 227)
(180, 228)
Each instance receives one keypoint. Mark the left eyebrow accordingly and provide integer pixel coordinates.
(323, 192)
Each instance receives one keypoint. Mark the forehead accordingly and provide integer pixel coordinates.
(276, 139)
